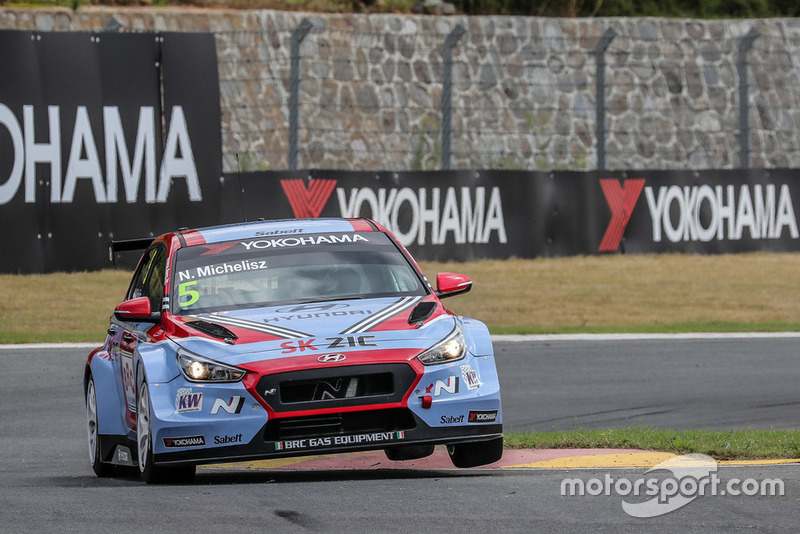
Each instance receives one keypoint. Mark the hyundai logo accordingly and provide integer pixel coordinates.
(331, 358)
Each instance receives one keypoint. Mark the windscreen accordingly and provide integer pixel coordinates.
(270, 271)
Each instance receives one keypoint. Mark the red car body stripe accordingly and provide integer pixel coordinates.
(193, 237)
(361, 225)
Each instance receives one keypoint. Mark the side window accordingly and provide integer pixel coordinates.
(137, 287)
(149, 280)
(154, 283)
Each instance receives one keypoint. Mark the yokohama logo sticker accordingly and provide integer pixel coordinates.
(189, 441)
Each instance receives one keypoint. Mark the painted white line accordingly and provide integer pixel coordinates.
(639, 337)
(46, 346)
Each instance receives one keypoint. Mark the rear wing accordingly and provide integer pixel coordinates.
(125, 245)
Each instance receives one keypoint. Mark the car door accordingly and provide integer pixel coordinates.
(148, 281)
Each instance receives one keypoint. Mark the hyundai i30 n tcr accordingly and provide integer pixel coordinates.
(287, 338)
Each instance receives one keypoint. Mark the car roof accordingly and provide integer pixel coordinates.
(278, 228)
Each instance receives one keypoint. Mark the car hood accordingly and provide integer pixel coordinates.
(379, 325)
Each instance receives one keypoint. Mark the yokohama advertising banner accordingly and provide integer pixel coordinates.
(464, 215)
(103, 136)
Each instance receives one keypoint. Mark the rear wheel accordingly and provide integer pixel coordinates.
(151, 473)
(476, 453)
(100, 468)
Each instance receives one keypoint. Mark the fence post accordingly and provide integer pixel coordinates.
(600, 94)
(744, 96)
(447, 96)
(294, 89)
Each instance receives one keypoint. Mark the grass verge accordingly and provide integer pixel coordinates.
(720, 445)
(637, 293)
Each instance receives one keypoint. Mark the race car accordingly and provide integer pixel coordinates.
(286, 338)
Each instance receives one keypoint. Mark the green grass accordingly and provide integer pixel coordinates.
(721, 445)
(666, 293)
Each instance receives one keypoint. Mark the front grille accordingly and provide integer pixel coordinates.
(340, 387)
(339, 424)
(336, 387)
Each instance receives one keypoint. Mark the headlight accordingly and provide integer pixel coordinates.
(450, 349)
(196, 368)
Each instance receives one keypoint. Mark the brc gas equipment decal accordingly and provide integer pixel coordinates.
(338, 440)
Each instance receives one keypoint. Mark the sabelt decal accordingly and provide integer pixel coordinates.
(451, 419)
(701, 212)
(469, 215)
(487, 416)
(189, 441)
(227, 440)
(357, 439)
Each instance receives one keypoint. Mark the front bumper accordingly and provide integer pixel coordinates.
(357, 410)
(265, 446)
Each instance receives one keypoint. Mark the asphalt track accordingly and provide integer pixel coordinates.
(47, 485)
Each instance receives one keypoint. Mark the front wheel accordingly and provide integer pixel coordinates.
(151, 473)
(476, 453)
(100, 468)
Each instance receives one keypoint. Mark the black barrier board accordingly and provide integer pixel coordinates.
(88, 153)
(465, 215)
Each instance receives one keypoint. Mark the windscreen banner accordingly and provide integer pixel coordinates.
(103, 136)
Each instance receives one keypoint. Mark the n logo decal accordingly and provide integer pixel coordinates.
(621, 199)
(307, 202)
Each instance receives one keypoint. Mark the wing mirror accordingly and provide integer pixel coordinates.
(137, 310)
(450, 284)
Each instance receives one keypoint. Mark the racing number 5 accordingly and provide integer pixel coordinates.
(184, 291)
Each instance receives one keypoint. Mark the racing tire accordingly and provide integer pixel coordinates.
(411, 452)
(476, 453)
(99, 467)
(149, 471)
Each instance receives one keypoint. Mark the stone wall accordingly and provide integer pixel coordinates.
(523, 88)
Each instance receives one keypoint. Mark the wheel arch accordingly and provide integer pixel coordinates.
(109, 410)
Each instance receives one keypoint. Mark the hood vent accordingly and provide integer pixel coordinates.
(213, 330)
